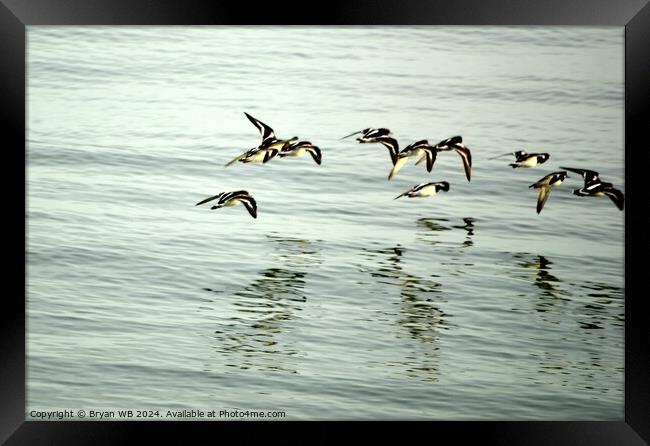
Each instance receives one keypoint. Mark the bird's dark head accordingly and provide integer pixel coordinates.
(563, 175)
(519, 153)
(443, 185)
(543, 157)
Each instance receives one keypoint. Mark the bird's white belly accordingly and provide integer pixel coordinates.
(257, 158)
(427, 191)
(530, 162)
(232, 202)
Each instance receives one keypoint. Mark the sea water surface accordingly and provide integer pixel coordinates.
(337, 302)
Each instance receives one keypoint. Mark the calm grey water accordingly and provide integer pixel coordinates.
(337, 302)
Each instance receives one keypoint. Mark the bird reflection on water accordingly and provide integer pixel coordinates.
(551, 302)
(429, 229)
(605, 307)
(469, 228)
(573, 361)
(549, 285)
(420, 316)
(553, 296)
(260, 332)
(434, 231)
(423, 319)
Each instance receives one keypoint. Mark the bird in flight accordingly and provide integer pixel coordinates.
(370, 134)
(425, 189)
(455, 143)
(227, 199)
(418, 148)
(545, 185)
(268, 148)
(300, 148)
(594, 187)
(524, 159)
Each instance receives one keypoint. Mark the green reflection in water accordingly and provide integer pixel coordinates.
(262, 329)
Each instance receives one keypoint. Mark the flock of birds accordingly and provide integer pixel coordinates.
(271, 146)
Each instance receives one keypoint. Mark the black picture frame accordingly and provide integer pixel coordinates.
(16, 15)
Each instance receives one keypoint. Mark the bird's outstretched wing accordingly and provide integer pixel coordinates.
(235, 159)
(544, 192)
(250, 203)
(431, 158)
(266, 131)
(392, 146)
(402, 195)
(588, 175)
(501, 156)
(355, 133)
(315, 153)
(397, 165)
(616, 196)
(466, 155)
(542, 181)
(209, 199)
